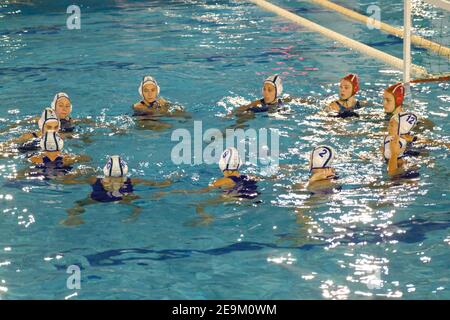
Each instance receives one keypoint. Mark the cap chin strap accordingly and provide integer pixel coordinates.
(56, 141)
(274, 81)
(120, 166)
(110, 168)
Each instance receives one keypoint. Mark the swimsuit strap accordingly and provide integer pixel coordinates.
(46, 159)
(236, 179)
(342, 108)
(347, 112)
(244, 187)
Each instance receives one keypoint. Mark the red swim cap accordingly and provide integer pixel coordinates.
(398, 91)
(353, 78)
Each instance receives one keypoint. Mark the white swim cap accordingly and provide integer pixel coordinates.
(51, 141)
(115, 167)
(277, 83)
(321, 157)
(406, 122)
(145, 80)
(387, 148)
(230, 160)
(47, 114)
(58, 96)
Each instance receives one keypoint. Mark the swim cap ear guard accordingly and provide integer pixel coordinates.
(321, 157)
(51, 141)
(59, 96)
(47, 114)
(398, 91)
(387, 147)
(354, 80)
(406, 122)
(145, 80)
(274, 80)
(115, 167)
(230, 160)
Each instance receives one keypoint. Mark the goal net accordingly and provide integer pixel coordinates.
(428, 46)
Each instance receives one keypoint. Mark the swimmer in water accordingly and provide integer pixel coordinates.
(234, 186)
(114, 186)
(318, 191)
(393, 105)
(271, 101)
(47, 118)
(151, 102)
(393, 98)
(347, 103)
(62, 108)
(393, 151)
(51, 162)
(233, 183)
(406, 122)
(323, 176)
(152, 106)
(30, 141)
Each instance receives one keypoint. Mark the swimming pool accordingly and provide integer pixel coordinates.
(211, 56)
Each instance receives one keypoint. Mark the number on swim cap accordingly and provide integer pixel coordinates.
(323, 152)
(411, 119)
(321, 157)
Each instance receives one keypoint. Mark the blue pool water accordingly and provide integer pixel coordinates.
(211, 56)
